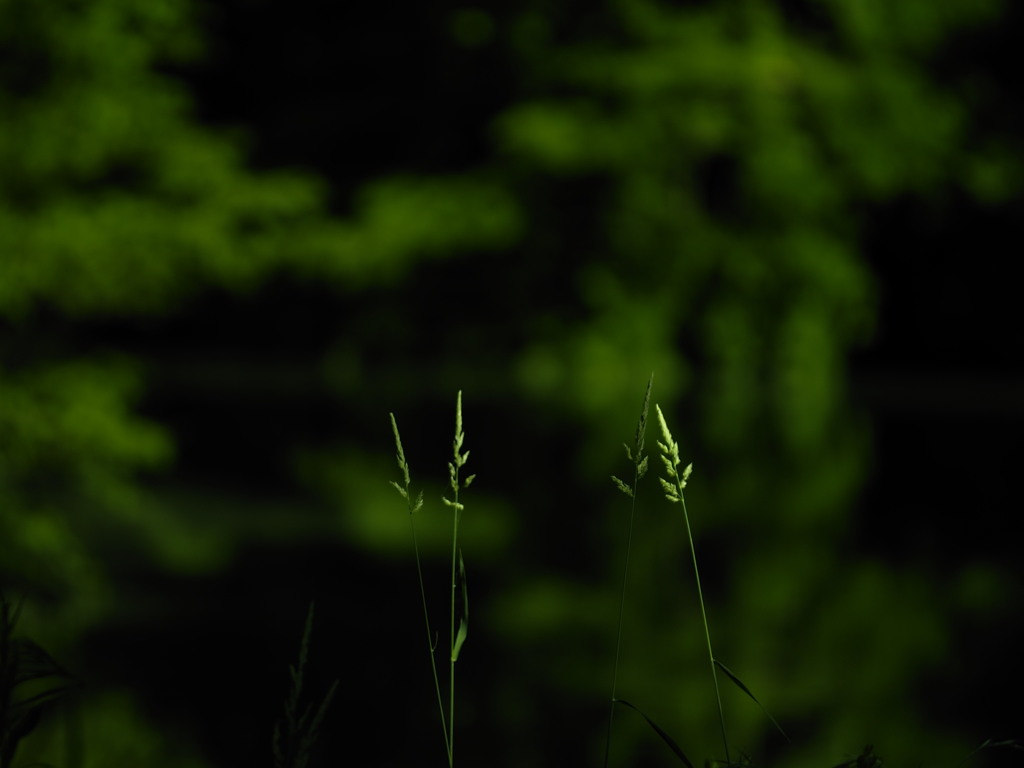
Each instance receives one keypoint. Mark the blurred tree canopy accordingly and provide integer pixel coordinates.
(676, 187)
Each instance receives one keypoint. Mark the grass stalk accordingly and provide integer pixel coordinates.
(458, 571)
(414, 506)
(639, 460)
(673, 484)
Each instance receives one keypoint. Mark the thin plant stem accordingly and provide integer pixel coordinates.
(414, 506)
(451, 663)
(456, 638)
(431, 643)
(673, 484)
(618, 633)
(636, 455)
(707, 631)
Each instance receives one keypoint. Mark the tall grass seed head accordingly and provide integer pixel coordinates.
(403, 465)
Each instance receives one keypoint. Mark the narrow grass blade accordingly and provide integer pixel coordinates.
(641, 425)
(460, 637)
(743, 762)
(318, 718)
(742, 687)
(988, 744)
(658, 730)
(294, 737)
(33, 663)
(866, 759)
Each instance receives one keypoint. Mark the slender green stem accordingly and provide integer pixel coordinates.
(636, 455)
(413, 506)
(618, 632)
(431, 644)
(456, 637)
(673, 484)
(451, 655)
(707, 631)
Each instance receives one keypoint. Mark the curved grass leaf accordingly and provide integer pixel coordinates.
(460, 637)
(866, 759)
(32, 662)
(658, 730)
(23, 661)
(988, 744)
(742, 687)
(743, 762)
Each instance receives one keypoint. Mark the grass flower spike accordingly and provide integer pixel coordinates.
(673, 484)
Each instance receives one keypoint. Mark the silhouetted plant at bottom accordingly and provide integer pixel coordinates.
(24, 665)
(294, 741)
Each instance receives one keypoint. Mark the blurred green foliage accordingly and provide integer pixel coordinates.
(676, 188)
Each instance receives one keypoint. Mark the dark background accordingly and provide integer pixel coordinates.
(234, 236)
